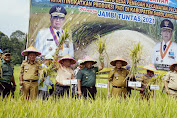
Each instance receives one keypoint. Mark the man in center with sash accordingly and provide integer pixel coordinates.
(165, 52)
(48, 39)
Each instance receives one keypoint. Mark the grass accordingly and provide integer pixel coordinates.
(162, 106)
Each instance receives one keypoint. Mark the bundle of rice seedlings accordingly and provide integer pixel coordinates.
(101, 48)
(135, 55)
(157, 80)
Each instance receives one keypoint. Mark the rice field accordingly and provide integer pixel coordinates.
(160, 106)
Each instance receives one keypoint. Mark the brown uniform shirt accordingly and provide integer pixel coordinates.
(171, 78)
(30, 71)
(118, 76)
(145, 80)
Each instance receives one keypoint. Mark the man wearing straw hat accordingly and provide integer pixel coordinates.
(86, 77)
(64, 73)
(48, 39)
(145, 79)
(165, 52)
(118, 78)
(171, 80)
(29, 73)
(6, 75)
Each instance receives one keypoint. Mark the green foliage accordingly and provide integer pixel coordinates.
(14, 45)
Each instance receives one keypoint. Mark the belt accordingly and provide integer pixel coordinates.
(119, 87)
(172, 89)
(89, 87)
(30, 80)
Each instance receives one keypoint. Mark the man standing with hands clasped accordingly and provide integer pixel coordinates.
(48, 39)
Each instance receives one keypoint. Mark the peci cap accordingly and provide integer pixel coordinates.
(58, 10)
(166, 25)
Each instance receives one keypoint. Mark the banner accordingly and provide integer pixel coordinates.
(121, 22)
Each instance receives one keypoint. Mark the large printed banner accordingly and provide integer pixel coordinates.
(122, 23)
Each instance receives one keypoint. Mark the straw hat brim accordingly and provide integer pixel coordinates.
(149, 68)
(84, 61)
(73, 61)
(26, 52)
(172, 66)
(113, 63)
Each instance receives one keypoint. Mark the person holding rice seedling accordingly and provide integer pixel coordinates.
(118, 78)
(171, 80)
(64, 72)
(43, 90)
(29, 73)
(86, 77)
(49, 39)
(6, 75)
(145, 81)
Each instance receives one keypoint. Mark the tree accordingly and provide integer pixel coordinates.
(19, 35)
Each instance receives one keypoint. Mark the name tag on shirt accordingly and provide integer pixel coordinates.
(49, 39)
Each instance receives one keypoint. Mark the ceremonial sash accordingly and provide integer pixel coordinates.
(54, 36)
(163, 54)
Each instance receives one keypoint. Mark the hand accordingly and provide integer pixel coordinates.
(79, 93)
(21, 83)
(108, 94)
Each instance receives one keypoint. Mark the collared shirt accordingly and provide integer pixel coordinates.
(171, 78)
(46, 82)
(45, 44)
(118, 77)
(169, 58)
(7, 71)
(87, 76)
(64, 73)
(30, 71)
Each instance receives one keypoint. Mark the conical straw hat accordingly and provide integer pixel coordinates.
(150, 67)
(113, 62)
(67, 57)
(88, 59)
(172, 66)
(30, 49)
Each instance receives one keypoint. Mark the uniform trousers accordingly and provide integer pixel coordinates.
(89, 91)
(61, 90)
(30, 89)
(5, 89)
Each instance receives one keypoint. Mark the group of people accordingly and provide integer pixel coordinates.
(34, 79)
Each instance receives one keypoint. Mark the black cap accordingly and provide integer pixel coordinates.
(58, 10)
(6, 52)
(166, 25)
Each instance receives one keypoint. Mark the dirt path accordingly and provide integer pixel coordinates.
(118, 44)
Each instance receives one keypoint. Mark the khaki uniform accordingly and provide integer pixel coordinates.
(30, 73)
(171, 79)
(144, 81)
(118, 76)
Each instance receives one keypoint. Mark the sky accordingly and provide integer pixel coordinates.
(14, 16)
